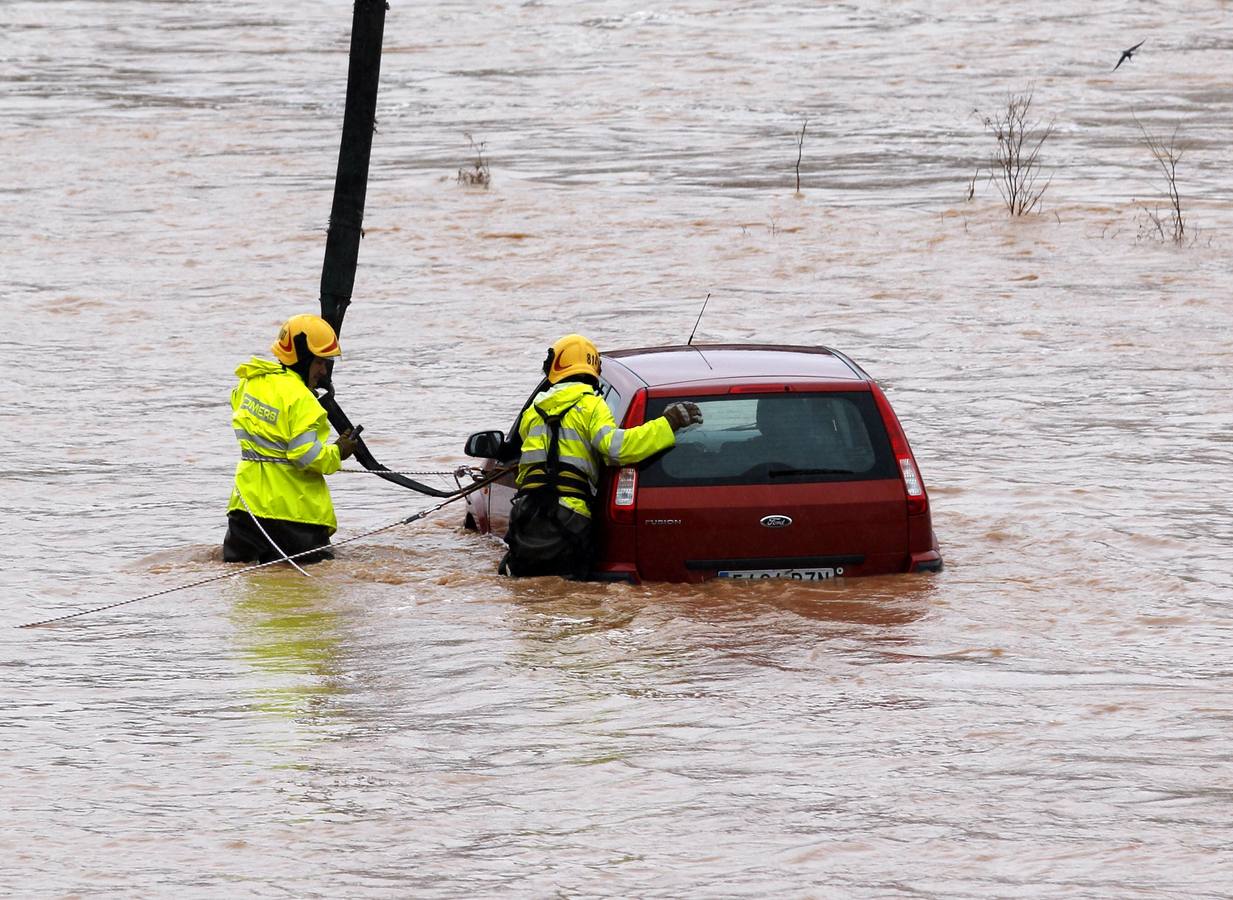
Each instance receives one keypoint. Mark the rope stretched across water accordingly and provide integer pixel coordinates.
(183, 587)
(105, 469)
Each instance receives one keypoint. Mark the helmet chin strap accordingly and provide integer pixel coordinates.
(303, 358)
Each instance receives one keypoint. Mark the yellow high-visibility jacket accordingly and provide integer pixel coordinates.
(589, 439)
(284, 451)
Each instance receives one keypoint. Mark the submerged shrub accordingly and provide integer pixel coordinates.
(1169, 225)
(1015, 167)
(477, 175)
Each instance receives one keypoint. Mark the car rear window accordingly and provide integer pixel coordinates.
(781, 438)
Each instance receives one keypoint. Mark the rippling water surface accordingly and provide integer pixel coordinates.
(1049, 717)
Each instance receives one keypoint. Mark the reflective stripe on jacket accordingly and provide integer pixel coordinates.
(285, 452)
(589, 438)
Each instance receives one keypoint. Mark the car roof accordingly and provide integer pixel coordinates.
(727, 363)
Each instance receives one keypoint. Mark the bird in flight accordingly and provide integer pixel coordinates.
(1127, 54)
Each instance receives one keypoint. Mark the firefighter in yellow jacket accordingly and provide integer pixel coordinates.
(567, 436)
(280, 504)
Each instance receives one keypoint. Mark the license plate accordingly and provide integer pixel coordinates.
(790, 574)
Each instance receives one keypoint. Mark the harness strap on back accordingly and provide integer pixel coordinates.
(554, 441)
(561, 478)
(545, 535)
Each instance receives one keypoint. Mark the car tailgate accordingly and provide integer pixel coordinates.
(691, 533)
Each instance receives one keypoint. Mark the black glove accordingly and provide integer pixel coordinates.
(346, 444)
(683, 414)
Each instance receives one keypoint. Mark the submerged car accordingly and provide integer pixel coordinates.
(799, 470)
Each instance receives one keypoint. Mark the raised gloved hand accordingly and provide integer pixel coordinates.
(346, 443)
(683, 414)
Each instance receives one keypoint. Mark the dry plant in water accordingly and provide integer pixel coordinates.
(800, 149)
(1169, 225)
(477, 175)
(1015, 167)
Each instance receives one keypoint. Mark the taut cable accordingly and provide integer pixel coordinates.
(484, 482)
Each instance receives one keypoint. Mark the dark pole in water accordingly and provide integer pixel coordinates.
(342, 245)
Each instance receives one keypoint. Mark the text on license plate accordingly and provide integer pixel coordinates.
(792, 574)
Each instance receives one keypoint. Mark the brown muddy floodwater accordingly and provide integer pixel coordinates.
(1049, 717)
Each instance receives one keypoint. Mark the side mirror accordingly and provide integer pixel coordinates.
(484, 444)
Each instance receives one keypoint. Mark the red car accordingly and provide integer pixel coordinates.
(799, 470)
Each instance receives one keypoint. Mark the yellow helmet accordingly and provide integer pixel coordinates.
(319, 338)
(571, 355)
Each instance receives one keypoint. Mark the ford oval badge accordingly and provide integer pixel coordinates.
(776, 521)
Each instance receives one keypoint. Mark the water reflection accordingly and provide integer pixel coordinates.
(876, 601)
(888, 600)
(286, 631)
(669, 631)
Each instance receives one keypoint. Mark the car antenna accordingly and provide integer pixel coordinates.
(690, 342)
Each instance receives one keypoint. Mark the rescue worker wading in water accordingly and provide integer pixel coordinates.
(568, 434)
(284, 455)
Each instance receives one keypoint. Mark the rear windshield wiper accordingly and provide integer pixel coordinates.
(776, 473)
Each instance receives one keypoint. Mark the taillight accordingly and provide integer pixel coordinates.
(624, 495)
(918, 500)
(626, 485)
(637, 410)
